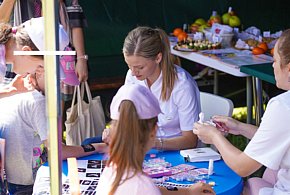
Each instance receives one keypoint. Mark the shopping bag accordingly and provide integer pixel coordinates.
(84, 119)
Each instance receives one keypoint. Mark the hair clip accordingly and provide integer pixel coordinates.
(14, 29)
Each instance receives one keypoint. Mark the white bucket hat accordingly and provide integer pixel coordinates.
(145, 102)
(35, 29)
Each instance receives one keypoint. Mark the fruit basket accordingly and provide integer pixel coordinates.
(190, 45)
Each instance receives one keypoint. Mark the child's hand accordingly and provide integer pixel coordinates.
(106, 136)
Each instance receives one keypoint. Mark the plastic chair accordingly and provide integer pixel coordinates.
(215, 105)
(254, 184)
(212, 104)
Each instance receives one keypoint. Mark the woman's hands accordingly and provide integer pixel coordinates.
(228, 124)
(106, 136)
(81, 70)
(21, 84)
(201, 189)
(195, 189)
(206, 132)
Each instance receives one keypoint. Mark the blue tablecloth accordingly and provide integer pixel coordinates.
(227, 181)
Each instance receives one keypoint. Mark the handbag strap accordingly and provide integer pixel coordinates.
(77, 93)
(85, 86)
(74, 97)
(80, 102)
(89, 95)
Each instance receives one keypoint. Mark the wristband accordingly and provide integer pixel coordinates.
(88, 148)
(171, 188)
(161, 143)
(86, 57)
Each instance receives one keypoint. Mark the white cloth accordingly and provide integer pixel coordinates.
(181, 110)
(23, 125)
(271, 144)
(140, 184)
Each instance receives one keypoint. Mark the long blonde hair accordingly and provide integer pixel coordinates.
(148, 43)
(129, 141)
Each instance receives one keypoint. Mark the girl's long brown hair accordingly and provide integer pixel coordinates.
(129, 141)
(148, 43)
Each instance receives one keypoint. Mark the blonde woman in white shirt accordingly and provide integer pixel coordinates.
(147, 52)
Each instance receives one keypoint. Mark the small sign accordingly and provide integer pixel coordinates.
(266, 34)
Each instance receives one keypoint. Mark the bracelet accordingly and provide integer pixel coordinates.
(85, 57)
(171, 188)
(88, 148)
(161, 143)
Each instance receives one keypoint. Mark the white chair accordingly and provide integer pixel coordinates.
(215, 105)
(211, 105)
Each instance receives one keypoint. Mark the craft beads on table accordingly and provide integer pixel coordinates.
(157, 167)
(181, 168)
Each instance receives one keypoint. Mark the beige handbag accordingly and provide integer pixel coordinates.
(84, 119)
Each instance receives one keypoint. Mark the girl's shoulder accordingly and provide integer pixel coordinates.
(184, 79)
(283, 98)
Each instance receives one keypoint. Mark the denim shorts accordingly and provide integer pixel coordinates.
(16, 189)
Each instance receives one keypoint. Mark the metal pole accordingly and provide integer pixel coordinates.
(259, 109)
(249, 101)
(216, 82)
(51, 64)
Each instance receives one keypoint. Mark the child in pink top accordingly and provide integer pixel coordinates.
(134, 111)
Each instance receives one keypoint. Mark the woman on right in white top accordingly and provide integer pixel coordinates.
(270, 144)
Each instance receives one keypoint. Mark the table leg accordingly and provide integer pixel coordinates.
(216, 82)
(249, 100)
(258, 101)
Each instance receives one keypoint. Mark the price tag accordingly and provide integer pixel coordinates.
(266, 34)
(216, 39)
(236, 30)
(256, 32)
(199, 35)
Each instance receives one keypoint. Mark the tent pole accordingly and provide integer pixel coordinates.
(52, 91)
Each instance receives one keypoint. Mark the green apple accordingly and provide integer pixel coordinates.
(194, 27)
(200, 21)
(234, 21)
(226, 18)
(202, 27)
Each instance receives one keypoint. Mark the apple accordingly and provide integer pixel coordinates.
(200, 21)
(194, 27)
(215, 18)
(202, 27)
(234, 21)
(226, 18)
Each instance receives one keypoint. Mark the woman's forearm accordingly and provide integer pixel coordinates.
(7, 92)
(6, 10)
(248, 130)
(185, 141)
